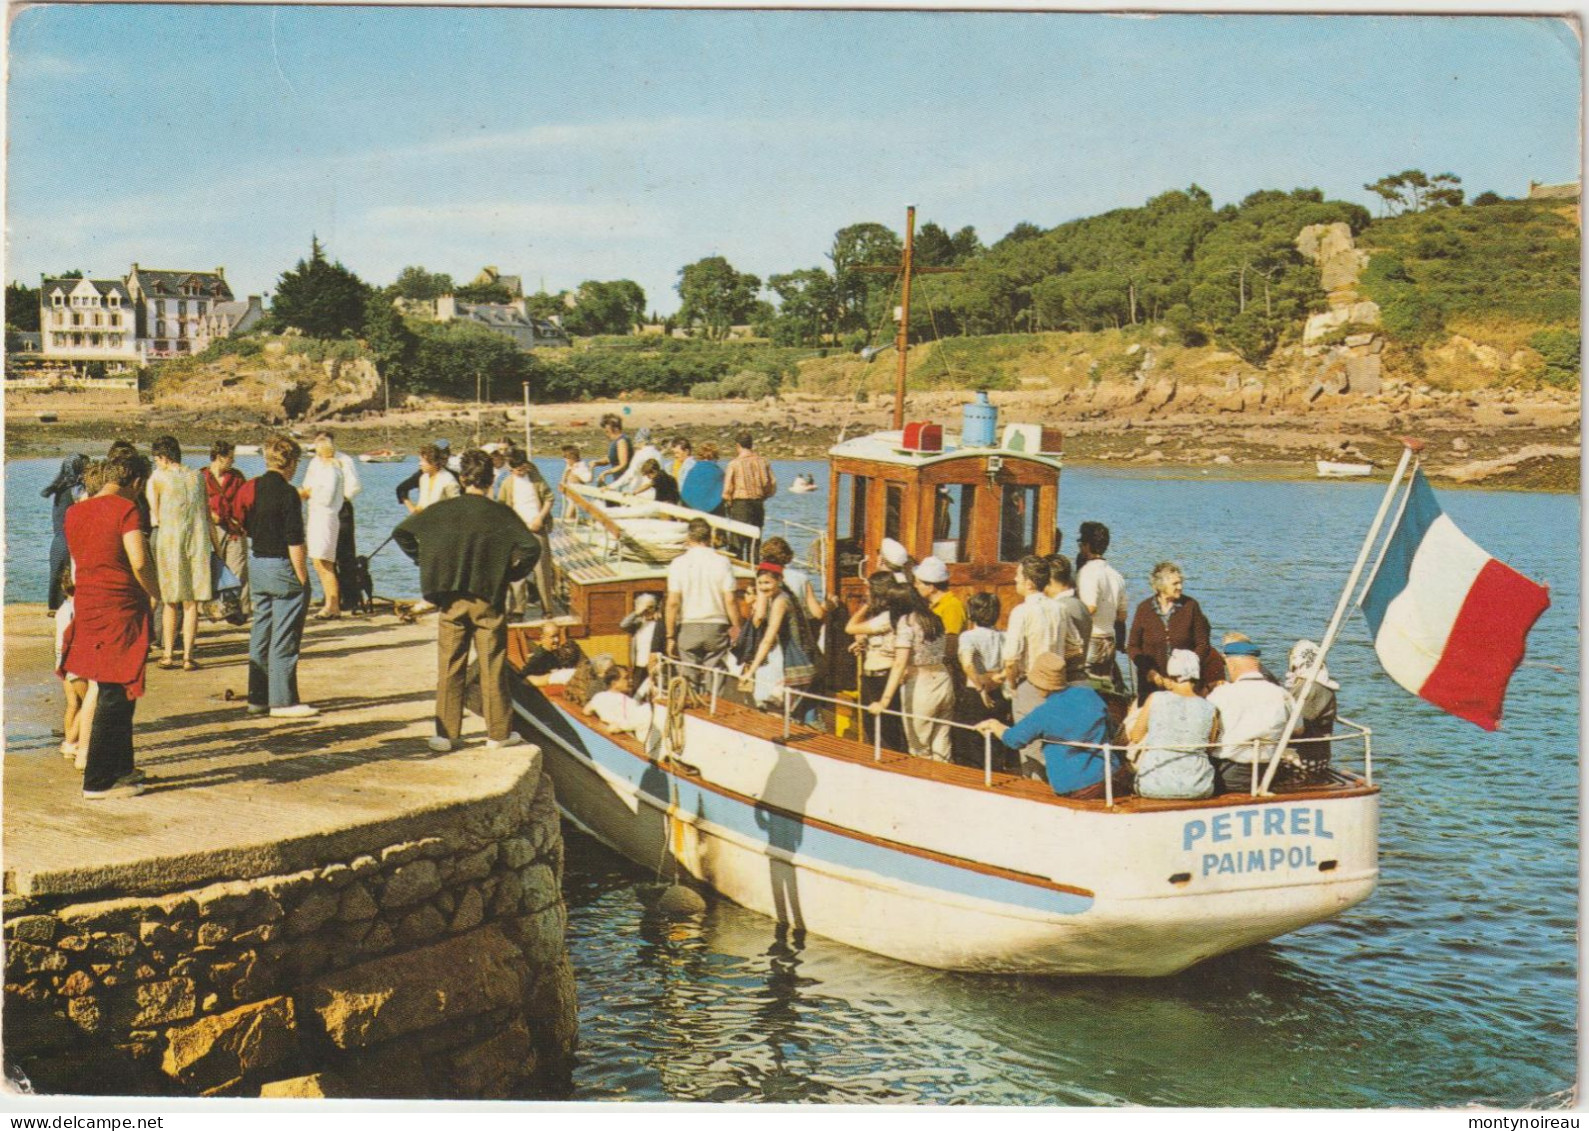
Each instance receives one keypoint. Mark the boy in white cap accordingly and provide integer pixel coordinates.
(894, 557)
(932, 582)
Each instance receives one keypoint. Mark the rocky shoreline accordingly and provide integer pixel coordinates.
(1490, 438)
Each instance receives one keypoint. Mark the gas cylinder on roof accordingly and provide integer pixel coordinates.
(980, 425)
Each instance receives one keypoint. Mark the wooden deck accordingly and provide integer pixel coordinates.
(763, 725)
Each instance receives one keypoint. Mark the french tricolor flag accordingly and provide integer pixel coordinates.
(1449, 621)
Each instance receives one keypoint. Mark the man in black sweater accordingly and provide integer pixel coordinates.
(468, 549)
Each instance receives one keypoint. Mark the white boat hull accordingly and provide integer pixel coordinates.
(1329, 469)
(960, 878)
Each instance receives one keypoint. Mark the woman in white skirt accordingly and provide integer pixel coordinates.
(323, 488)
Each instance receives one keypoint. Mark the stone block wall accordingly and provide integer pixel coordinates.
(431, 967)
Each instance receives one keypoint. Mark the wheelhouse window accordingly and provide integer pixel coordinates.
(951, 520)
(850, 528)
(1017, 522)
(893, 509)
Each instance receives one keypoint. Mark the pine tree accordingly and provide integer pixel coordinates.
(319, 297)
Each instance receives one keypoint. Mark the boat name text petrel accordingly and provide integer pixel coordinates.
(1301, 822)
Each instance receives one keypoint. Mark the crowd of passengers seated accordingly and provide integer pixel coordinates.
(1048, 689)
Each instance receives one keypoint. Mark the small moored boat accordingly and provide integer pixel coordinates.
(1332, 469)
(246, 449)
(803, 485)
(382, 455)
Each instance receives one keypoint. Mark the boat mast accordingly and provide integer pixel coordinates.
(902, 342)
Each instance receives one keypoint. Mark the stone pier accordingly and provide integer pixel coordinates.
(317, 907)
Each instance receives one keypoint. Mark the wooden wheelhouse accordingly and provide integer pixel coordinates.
(979, 510)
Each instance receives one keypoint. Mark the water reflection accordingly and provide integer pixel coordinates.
(731, 1006)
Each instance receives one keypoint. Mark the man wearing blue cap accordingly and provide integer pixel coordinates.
(1252, 716)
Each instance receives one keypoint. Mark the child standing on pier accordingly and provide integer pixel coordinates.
(74, 686)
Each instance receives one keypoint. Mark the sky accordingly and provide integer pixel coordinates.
(566, 145)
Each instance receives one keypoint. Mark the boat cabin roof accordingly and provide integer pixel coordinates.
(889, 447)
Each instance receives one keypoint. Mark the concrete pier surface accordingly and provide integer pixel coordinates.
(230, 794)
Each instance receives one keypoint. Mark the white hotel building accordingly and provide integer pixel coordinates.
(87, 320)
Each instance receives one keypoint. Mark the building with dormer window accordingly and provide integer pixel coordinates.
(510, 319)
(87, 320)
(173, 309)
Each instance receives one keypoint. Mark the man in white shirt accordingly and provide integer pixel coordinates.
(1103, 591)
(1074, 617)
(701, 613)
(1252, 716)
(1034, 628)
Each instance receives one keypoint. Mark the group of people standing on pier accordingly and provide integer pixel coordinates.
(133, 535)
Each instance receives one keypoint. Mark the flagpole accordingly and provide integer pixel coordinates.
(1410, 447)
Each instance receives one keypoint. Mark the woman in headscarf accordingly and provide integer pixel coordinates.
(1174, 728)
(63, 491)
(1314, 730)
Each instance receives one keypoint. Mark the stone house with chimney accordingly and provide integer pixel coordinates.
(173, 309)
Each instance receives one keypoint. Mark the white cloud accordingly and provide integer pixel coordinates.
(617, 134)
(616, 221)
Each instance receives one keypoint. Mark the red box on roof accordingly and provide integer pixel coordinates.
(923, 436)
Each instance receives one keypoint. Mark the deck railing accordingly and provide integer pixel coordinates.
(1347, 732)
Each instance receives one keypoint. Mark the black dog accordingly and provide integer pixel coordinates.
(358, 588)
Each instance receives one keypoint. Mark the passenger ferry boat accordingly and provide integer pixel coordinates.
(943, 865)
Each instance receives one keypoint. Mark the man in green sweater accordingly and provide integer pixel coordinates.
(469, 549)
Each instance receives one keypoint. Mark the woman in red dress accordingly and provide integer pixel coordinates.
(108, 641)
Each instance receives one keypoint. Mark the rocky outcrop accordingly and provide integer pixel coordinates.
(347, 387)
(433, 967)
(1340, 261)
(1341, 346)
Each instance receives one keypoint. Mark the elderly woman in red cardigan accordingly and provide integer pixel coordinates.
(1164, 622)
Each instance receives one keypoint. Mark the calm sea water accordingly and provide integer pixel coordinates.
(1456, 983)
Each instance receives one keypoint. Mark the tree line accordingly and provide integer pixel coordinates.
(1231, 275)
